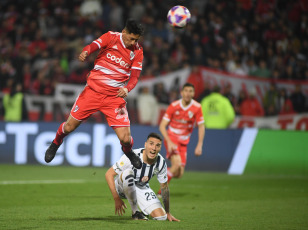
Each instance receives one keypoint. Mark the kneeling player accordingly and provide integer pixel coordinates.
(125, 181)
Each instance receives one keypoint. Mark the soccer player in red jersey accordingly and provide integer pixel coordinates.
(181, 116)
(116, 71)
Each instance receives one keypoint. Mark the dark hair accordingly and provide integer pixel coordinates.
(187, 84)
(132, 27)
(155, 135)
(216, 89)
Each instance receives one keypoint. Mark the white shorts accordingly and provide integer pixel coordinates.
(146, 198)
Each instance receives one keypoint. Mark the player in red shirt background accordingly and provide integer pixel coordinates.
(181, 117)
(117, 68)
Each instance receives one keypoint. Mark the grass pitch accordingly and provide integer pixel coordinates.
(42, 197)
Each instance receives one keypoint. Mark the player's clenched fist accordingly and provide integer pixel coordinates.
(171, 146)
(83, 56)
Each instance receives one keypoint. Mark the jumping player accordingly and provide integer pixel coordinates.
(116, 71)
(181, 116)
(125, 182)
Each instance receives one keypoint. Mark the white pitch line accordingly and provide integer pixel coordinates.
(242, 151)
(13, 182)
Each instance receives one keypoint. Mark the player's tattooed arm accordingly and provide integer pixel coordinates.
(165, 195)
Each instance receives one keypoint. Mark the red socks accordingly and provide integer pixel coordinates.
(60, 135)
(126, 148)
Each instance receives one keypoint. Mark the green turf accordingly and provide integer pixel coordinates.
(199, 200)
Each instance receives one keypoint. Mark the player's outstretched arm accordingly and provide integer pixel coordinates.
(119, 203)
(163, 129)
(166, 200)
(201, 132)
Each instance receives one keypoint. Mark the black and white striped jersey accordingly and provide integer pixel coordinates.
(142, 176)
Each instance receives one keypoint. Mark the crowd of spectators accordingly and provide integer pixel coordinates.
(275, 101)
(40, 40)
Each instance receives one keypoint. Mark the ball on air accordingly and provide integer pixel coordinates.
(178, 16)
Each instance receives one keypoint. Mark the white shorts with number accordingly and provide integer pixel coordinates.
(146, 198)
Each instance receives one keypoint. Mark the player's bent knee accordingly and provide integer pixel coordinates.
(160, 217)
(125, 138)
(180, 174)
(177, 167)
(68, 128)
(124, 135)
(177, 173)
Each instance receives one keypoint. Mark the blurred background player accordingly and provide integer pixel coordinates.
(181, 116)
(118, 62)
(133, 184)
(14, 104)
(217, 110)
(148, 107)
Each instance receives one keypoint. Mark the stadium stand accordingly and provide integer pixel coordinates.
(40, 40)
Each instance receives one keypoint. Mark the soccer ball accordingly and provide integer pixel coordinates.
(178, 16)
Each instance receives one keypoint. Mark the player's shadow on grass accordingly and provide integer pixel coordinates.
(178, 194)
(115, 219)
(106, 218)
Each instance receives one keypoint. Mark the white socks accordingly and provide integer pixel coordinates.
(130, 188)
(160, 217)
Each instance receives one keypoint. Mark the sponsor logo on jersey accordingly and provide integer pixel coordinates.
(76, 108)
(115, 47)
(132, 55)
(117, 167)
(145, 179)
(181, 121)
(117, 60)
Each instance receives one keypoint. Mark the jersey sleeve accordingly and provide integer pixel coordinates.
(162, 175)
(122, 164)
(103, 40)
(199, 116)
(168, 114)
(137, 63)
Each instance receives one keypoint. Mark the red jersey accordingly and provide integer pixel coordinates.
(251, 107)
(113, 63)
(183, 119)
